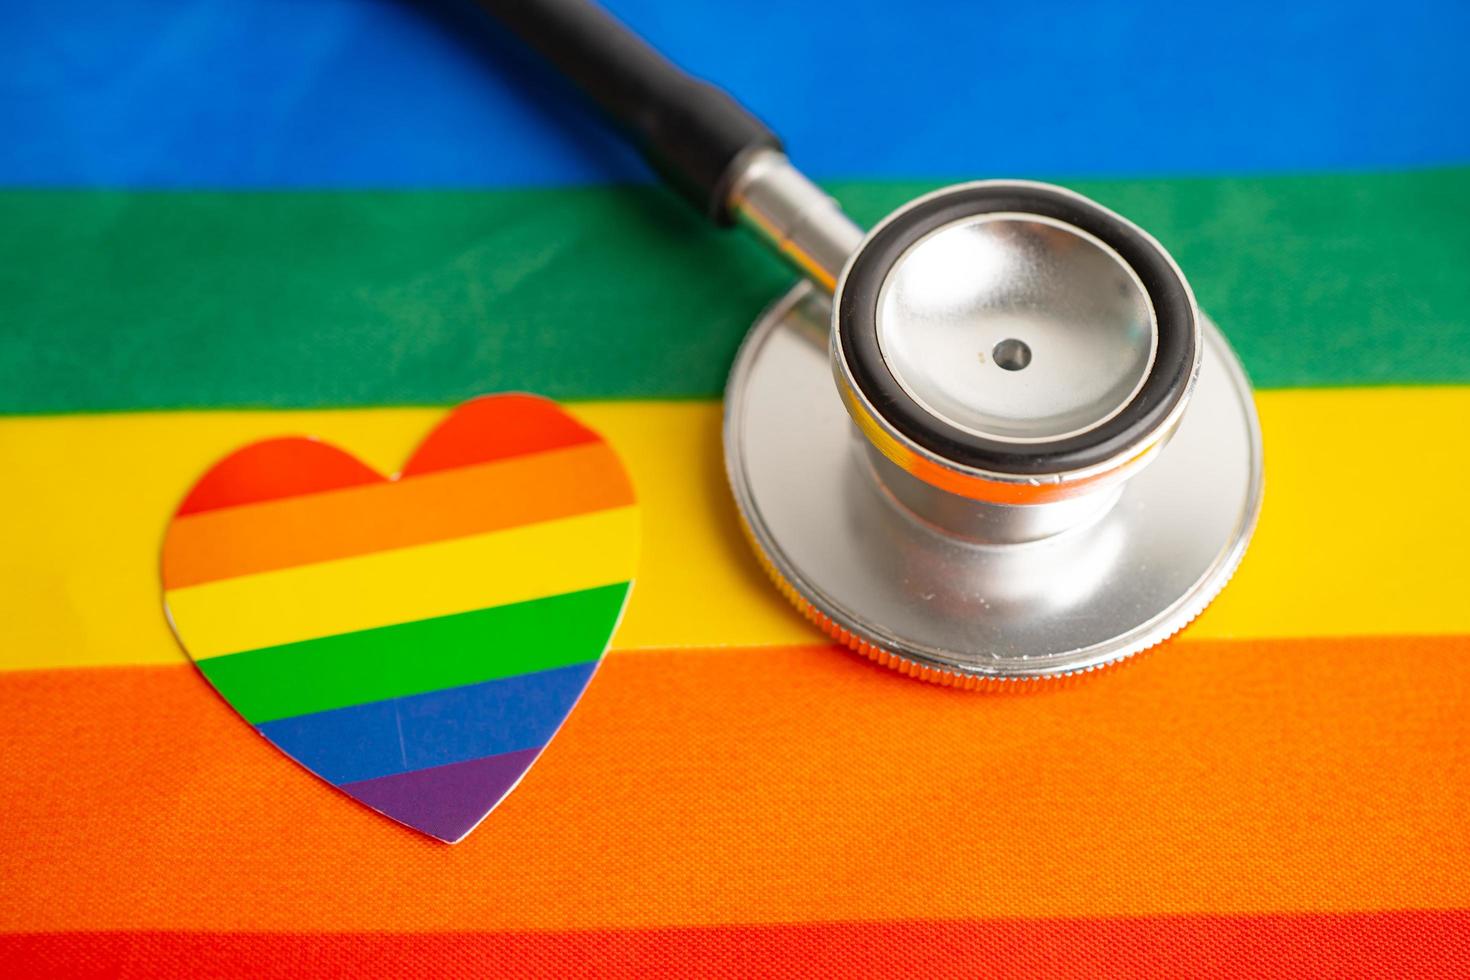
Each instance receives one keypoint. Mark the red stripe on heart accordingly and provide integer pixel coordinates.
(496, 427)
(479, 431)
(276, 469)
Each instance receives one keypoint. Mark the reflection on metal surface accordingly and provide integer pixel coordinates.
(794, 216)
(944, 604)
(1016, 327)
(979, 520)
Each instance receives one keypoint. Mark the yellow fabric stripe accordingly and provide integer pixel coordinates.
(1341, 549)
(1364, 528)
(407, 584)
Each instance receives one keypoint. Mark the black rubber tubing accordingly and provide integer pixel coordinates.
(688, 130)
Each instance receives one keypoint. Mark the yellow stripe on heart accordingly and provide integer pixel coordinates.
(406, 584)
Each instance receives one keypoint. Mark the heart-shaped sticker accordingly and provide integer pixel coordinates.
(416, 641)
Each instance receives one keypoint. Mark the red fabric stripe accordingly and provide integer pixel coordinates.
(1421, 944)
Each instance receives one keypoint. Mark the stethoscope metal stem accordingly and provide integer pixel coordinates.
(794, 216)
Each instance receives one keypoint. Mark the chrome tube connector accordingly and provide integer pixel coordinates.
(795, 216)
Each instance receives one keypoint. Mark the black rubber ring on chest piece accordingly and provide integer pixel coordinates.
(1174, 358)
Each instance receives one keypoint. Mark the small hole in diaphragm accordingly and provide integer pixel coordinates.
(1011, 354)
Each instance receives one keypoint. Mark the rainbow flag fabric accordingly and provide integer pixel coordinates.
(224, 222)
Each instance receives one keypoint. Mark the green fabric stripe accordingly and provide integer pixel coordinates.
(139, 300)
(412, 658)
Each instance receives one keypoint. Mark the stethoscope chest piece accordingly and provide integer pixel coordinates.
(1038, 459)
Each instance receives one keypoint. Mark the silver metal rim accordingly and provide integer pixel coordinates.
(1072, 231)
(798, 479)
(844, 375)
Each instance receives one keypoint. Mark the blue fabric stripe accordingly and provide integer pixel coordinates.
(417, 93)
(454, 725)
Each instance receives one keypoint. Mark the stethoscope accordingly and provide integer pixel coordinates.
(1040, 457)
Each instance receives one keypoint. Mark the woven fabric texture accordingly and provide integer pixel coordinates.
(231, 220)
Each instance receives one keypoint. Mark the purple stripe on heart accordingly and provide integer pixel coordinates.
(445, 801)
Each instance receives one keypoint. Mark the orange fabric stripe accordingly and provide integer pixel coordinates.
(220, 544)
(1207, 778)
(1412, 943)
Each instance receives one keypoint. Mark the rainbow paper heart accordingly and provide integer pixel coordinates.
(414, 641)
